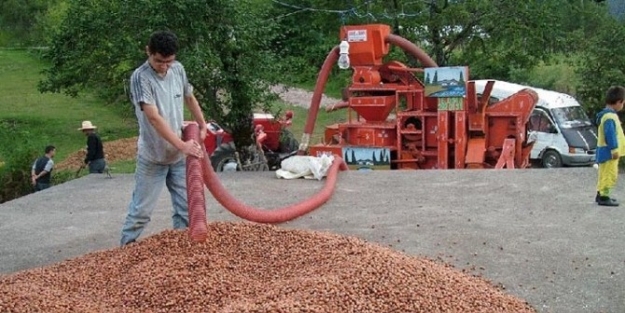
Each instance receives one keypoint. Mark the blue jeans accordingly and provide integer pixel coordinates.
(149, 180)
(41, 186)
(97, 166)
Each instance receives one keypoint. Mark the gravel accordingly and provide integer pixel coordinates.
(246, 267)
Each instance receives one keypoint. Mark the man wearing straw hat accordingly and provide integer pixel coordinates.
(95, 152)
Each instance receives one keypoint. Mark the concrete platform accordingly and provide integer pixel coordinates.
(536, 232)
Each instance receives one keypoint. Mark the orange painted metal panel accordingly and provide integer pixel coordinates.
(442, 139)
(367, 43)
(319, 150)
(460, 139)
(475, 151)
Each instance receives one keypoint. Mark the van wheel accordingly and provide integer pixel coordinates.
(551, 159)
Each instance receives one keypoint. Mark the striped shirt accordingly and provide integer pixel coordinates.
(167, 94)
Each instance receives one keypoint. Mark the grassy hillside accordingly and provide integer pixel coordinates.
(30, 117)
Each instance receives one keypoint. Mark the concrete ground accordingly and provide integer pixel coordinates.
(535, 232)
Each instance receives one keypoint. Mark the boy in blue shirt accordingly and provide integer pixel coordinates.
(610, 145)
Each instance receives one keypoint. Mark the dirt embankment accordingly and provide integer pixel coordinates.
(117, 150)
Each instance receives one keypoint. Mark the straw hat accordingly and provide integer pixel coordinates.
(87, 125)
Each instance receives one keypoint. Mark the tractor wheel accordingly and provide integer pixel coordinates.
(224, 157)
(288, 143)
(551, 159)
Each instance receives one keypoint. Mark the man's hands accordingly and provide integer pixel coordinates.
(192, 148)
(33, 179)
(615, 156)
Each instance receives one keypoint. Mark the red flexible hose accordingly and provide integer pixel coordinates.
(322, 78)
(280, 215)
(240, 209)
(198, 230)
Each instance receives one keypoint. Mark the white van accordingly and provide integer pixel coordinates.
(563, 133)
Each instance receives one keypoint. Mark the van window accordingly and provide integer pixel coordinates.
(573, 116)
(539, 121)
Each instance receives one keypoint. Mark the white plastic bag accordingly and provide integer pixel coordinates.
(305, 166)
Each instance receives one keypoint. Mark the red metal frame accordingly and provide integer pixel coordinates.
(271, 129)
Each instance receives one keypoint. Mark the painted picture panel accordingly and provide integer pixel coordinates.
(446, 82)
(367, 158)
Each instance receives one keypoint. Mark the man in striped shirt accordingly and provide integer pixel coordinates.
(158, 89)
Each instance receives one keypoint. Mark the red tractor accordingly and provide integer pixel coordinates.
(416, 118)
(273, 143)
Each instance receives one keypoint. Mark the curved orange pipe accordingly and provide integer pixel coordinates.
(412, 49)
(245, 211)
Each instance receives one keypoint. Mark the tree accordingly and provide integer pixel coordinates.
(224, 47)
(602, 66)
(19, 18)
(493, 37)
(354, 156)
(374, 158)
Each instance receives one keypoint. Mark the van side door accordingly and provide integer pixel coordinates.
(542, 130)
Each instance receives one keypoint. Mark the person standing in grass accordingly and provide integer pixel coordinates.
(95, 151)
(159, 89)
(610, 145)
(41, 171)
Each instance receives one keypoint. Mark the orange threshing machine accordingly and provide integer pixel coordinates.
(396, 120)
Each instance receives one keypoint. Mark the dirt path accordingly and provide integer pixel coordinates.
(301, 97)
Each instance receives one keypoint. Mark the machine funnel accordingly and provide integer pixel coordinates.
(373, 109)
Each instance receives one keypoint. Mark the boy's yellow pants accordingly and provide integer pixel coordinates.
(608, 175)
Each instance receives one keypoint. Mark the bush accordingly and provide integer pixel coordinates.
(60, 177)
(15, 174)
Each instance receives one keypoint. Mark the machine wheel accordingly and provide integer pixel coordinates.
(551, 159)
(288, 143)
(223, 155)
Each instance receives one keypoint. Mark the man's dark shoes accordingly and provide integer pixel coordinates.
(607, 201)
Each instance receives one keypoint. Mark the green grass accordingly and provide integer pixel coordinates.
(299, 120)
(26, 115)
(123, 167)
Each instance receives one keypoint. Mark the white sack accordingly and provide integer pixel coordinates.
(305, 166)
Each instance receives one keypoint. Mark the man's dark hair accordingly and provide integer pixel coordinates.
(615, 94)
(49, 148)
(163, 42)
